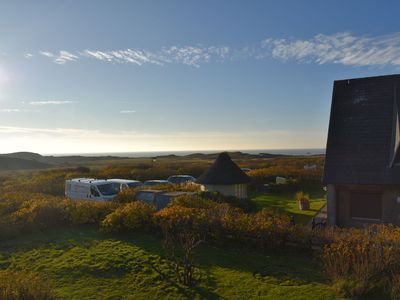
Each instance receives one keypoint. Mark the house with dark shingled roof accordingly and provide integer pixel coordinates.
(225, 177)
(362, 167)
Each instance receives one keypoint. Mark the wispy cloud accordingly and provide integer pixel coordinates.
(127, 111)
(61, 58)
(9, 110)
(28, 55)
(187, 55)
(51, 102)
(46, 53)
(340, 48)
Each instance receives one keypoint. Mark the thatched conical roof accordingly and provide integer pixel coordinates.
(223, 172)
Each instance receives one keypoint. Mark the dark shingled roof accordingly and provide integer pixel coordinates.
(362, 143)
(223, 172)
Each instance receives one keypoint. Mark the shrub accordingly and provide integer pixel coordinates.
(131, 216)
(395, 286)
(245, 204)
(368, 257)
(20, 285)
(41, 212)
(127, 195)
(89, 212)
(7, 229)
(193, 202)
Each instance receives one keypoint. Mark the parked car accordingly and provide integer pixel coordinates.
(176, 179)
(91, 189)
(125, 183)
(155, 182)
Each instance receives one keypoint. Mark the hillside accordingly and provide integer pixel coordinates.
(13, 163)
(30, 160)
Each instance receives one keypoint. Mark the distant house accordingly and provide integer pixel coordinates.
(226, 177)
(362, 167)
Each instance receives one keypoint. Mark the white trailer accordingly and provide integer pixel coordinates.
(91, 189)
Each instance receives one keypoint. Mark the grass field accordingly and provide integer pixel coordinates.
(284, 202)
(84, 264)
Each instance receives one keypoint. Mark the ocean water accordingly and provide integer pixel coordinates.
(312, 151)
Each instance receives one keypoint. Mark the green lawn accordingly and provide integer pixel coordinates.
(284, 202)
(84, 264)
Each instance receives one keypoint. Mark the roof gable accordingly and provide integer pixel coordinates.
(363, 138)
(223, 172)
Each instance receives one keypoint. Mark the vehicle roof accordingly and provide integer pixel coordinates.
(150, 191)
(123, 180)
(90, 180)
(157, 180)
(177, 193)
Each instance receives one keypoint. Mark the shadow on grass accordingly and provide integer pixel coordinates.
(285, 267)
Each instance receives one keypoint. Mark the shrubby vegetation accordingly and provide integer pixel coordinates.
(358, 261)
(128, 217)
(23, 286)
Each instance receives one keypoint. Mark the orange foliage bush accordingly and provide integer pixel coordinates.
(88, 212)
(131, 216)
(21, 285)
(359, 260)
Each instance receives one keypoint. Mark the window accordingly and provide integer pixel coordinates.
(94, 191)
(366, 205)
(109, 189)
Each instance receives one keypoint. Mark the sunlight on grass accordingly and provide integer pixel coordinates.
(83, 264)
(285, 203)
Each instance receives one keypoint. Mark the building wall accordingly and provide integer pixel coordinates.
(236, 190)
(339, 206)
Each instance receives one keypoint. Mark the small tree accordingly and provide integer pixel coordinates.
(180, 249)
(184, 231)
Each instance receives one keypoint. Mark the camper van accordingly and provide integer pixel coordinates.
(91, 189)
(125, 183)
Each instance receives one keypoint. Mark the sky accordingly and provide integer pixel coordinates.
(125, 76)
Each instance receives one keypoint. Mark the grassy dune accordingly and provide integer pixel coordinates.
(84, 264)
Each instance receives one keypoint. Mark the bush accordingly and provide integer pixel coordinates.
(216, 221)
(244, 204)
(23, 286)
(193, 202)
(127, 195)
(360, 260)
(395, 286)
(131, 216)
(89, 212)
(41, 212)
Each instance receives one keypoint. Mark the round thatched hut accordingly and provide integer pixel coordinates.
(226, 177)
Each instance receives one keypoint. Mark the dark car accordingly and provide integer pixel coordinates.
(177, 179)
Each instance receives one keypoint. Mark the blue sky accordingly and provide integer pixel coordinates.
(119, 76)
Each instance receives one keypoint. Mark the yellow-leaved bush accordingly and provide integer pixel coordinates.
(361, 260)
(131, 216)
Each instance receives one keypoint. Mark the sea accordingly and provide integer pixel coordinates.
(311, 151)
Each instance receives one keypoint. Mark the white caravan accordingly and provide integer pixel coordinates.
(125, 183)
(91, 189)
